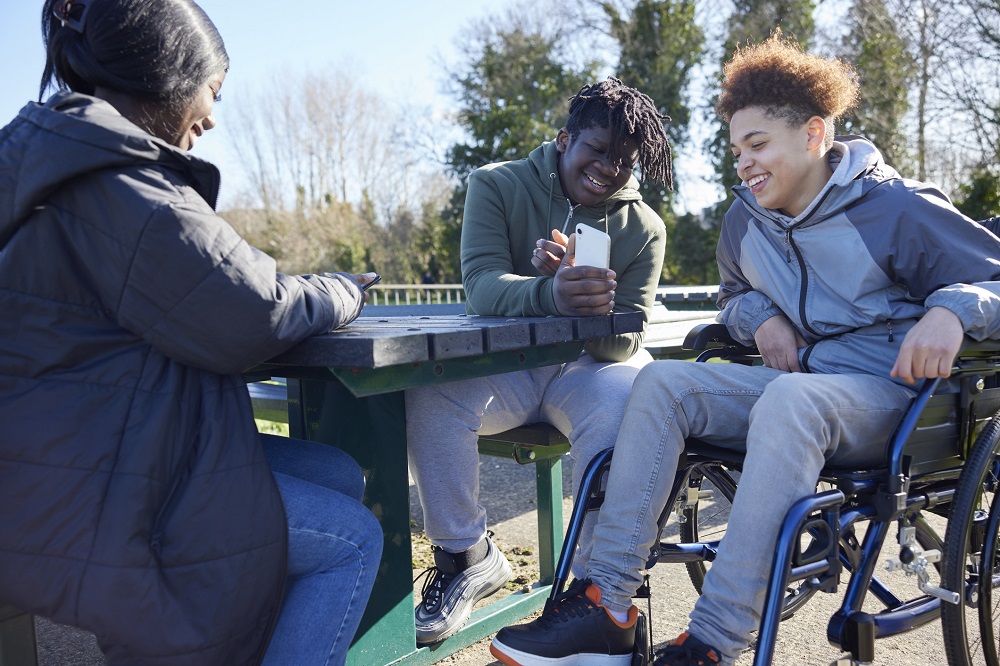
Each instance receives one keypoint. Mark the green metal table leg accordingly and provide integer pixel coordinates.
(17, 638)
(373, 431)
(549, 491)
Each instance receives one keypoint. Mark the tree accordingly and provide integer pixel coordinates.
(512, 89)
(331, 174)
(878, 52)
(976, 84)
(693, 249)
(929, 28)
(979, 197)
(660, 44)
(753, 21)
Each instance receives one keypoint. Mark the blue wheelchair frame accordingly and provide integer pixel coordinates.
(923, 472)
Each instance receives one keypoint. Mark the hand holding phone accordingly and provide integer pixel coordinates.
(593, 247)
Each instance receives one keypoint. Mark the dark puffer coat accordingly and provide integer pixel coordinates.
(135, 501)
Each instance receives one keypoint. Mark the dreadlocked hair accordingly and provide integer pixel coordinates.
(628, 113)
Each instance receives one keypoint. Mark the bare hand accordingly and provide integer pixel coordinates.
(548, 254)
(778, 343)
(582, 291)
(930, 348)
(362, 279)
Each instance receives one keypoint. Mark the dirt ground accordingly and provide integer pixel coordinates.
(508, 492)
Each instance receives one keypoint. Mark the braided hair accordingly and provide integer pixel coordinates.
(628, 113)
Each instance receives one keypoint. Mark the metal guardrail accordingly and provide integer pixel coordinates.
(415, 294)
(673, 297)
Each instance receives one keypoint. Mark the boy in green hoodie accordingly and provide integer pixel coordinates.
(518, 260)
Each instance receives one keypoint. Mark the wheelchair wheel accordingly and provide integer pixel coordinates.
(706, 521)
(971, 566)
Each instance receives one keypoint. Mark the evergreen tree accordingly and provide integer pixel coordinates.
(513, 95)
(753, 21)
(878, 52)
(660, 45)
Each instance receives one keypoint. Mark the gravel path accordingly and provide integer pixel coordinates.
(508, 493)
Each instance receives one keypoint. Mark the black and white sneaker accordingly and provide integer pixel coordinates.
(453, 587)
(574, 630)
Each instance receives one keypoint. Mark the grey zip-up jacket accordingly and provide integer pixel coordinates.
(857, 268)
(135, 500)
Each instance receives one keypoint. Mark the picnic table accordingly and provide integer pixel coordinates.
(346, 388)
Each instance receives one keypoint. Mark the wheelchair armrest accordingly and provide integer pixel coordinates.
(978, 356)
(705, 336)
(972, 347)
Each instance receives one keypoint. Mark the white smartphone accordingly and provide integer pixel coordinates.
(593, 247)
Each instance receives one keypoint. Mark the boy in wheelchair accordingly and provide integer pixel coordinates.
(852, 282)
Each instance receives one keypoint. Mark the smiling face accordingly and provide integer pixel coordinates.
(784, 166)
(182, 127)
(586, 174)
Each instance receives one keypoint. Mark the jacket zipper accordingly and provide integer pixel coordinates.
(803, 288)
(888, 325)
(569, 216)
(802, 263)
(788, 243)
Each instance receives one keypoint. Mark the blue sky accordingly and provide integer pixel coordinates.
(393, 45)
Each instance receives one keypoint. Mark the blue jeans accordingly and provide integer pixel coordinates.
(334, 547)
(789, 424)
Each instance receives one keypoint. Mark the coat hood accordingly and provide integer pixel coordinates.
(50, 144)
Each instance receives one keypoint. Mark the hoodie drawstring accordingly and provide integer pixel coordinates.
(548, 210)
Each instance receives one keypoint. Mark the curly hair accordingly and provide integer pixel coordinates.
(629, 113)
(788, 83)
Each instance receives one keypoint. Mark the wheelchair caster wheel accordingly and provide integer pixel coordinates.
(642, 652)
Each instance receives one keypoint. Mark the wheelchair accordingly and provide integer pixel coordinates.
(942, 466)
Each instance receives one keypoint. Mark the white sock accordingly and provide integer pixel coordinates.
(621, 616)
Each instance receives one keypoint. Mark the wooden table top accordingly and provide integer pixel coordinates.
(376, 342)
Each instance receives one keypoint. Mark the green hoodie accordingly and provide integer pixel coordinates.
(510, 205)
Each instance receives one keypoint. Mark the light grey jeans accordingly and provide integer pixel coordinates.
(584, 399)
(789, 424)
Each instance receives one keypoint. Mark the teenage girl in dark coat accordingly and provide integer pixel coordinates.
(136, 498)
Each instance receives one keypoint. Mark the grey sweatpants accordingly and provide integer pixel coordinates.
(789, 424)
(584, 399)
